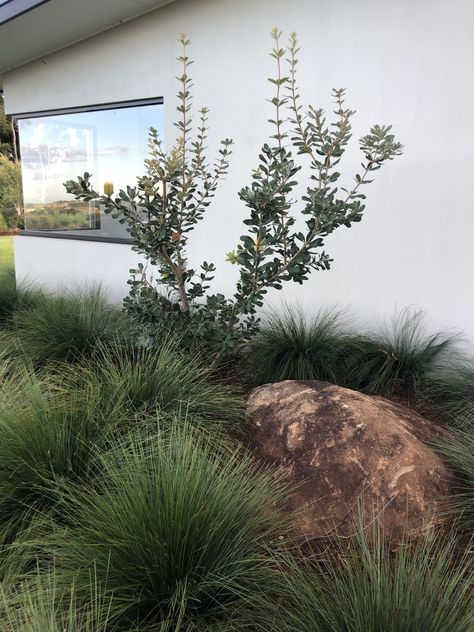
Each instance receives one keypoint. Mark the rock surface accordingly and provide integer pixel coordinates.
(345, 450)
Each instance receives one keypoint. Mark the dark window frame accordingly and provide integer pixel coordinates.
(96, 107)
(15, 8)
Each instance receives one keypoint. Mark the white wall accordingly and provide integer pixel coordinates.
(67, 264)
(407, 62)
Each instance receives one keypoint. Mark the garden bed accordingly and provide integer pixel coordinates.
(129, 502)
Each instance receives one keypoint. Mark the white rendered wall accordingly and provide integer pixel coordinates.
(58, 264)
(407, 62)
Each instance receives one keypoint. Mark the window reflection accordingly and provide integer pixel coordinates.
(110, 144)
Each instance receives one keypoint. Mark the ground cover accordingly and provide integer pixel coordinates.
(129, 500)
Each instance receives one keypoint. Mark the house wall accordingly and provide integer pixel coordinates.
(68, 264)
(407, 63)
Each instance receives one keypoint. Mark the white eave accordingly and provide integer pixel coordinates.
(32, 29)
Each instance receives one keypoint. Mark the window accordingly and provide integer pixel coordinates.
(110, 142)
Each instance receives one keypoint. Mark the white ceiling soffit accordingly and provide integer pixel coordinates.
(43, 28)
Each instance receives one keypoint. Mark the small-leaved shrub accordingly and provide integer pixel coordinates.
(283, 242)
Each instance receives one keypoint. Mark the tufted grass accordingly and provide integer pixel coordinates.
(177, 535)
(291, 347)
(69, 326)
(37, 605)
(451, 389)
(366, 587)
(458, 451)
(160, 379)
(13, 298)
(47, 437)
(399, 356)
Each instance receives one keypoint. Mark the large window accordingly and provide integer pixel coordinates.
(110, 142)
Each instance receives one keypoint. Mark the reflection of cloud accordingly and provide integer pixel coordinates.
(54, 151)
(38, 134)
(50, 154)
(43, 155)
(73, 137)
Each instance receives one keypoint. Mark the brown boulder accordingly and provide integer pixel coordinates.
(345, 450)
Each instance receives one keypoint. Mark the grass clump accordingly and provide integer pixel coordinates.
(160, 379)
(369, 588)
(13, 298)
(66, 327)
(458, 451)
(451, 389)
(37, 605)
(177, 535)
(291, 347)
(47, 437)
(399, 357)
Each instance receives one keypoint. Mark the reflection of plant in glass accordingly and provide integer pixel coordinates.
(11, 203)
(61, 215)
(171, 198)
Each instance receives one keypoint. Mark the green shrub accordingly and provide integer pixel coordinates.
(284, 235)
(369, 588)
(144, 380)
(68, 326)
(177, 535)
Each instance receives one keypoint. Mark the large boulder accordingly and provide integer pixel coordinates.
(347, 452)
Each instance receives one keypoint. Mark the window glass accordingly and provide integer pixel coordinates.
(111, 144)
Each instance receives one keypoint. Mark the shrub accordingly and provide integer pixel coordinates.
(11, 205)
(176, 535)
(368, 588)
(178, 186)
(145, 380)
(69, 326)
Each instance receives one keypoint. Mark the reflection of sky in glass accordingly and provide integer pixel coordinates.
(110, 144)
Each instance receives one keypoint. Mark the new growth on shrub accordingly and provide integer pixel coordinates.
(166, 203)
